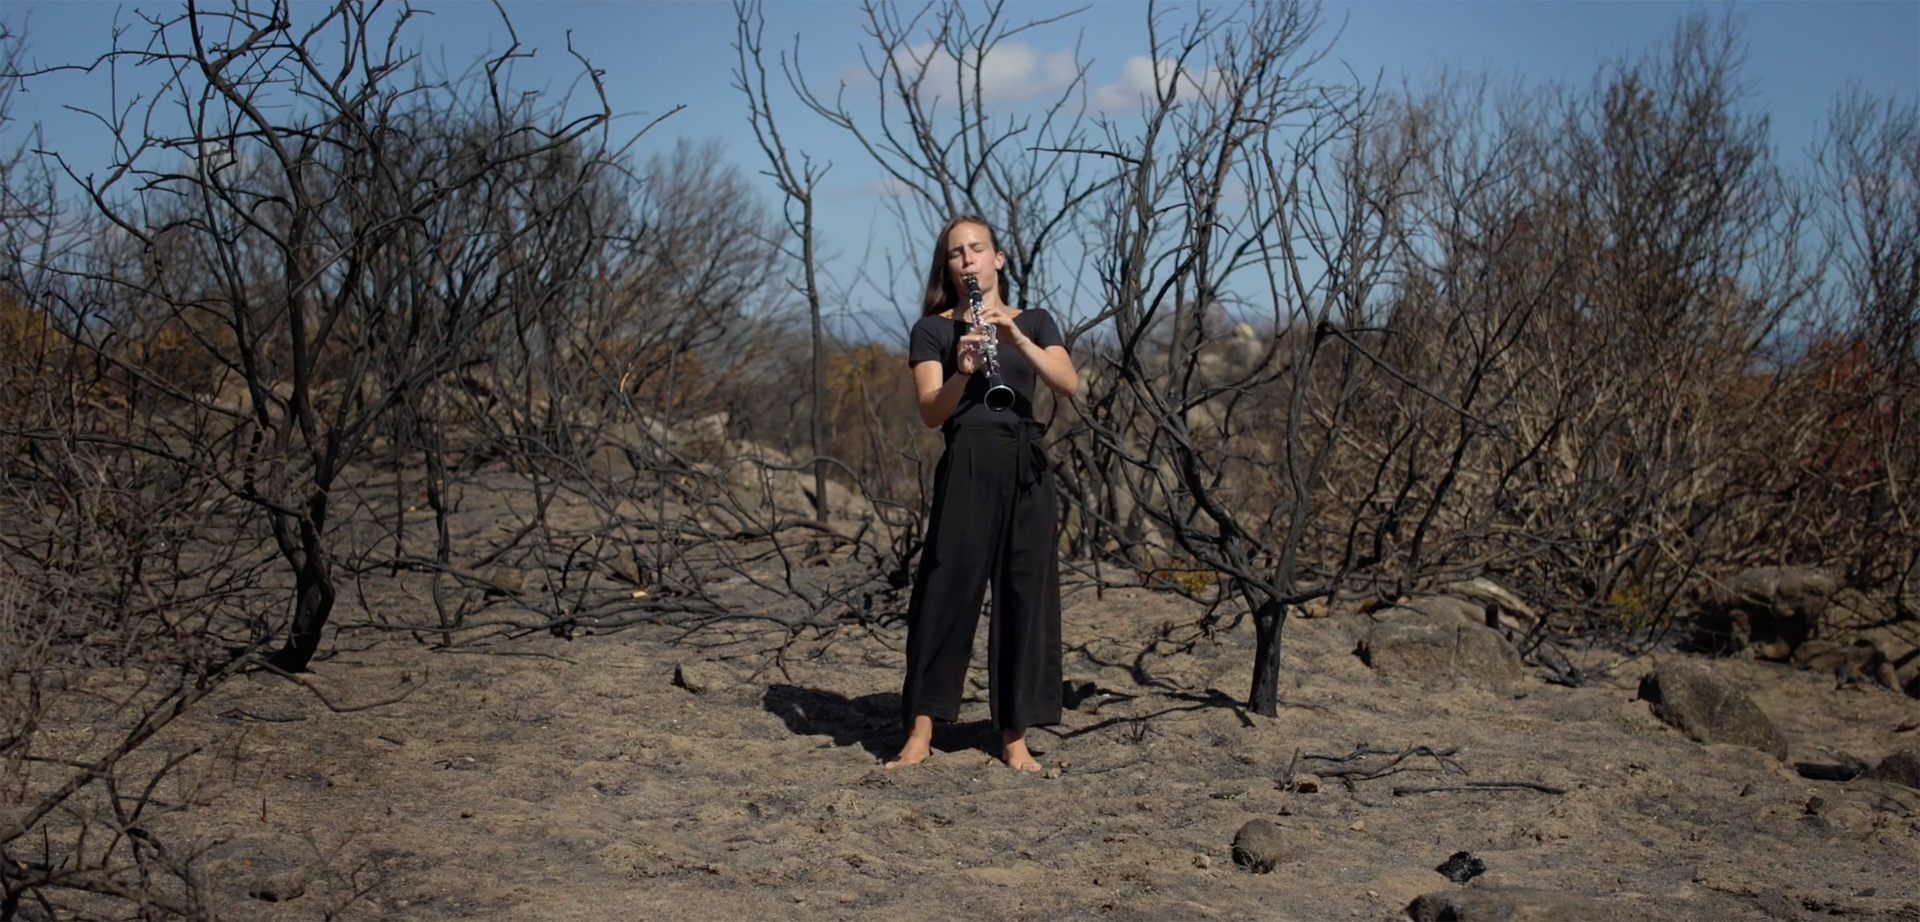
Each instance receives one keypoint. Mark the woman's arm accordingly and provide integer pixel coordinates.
(939, 397)
(1052, 364)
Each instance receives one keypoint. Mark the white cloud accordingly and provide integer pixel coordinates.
(1011, 72)
(1138, 83)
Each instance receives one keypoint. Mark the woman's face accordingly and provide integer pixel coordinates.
(970, 252)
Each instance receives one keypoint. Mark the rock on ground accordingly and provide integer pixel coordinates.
(1506, 904)
(1902, 767)
(1258, 846)
(281, 887)
(1708, 709)
(1440, 609)
(1441, 650)
(1859, 660)
(1507, 605)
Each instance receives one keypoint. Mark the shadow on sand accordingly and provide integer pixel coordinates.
(873, 721)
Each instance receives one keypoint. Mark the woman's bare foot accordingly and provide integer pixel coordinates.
(919, 744)
(1016, 754)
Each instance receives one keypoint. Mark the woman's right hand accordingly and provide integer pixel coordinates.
(969, 354)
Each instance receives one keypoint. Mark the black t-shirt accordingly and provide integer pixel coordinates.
(937, 339)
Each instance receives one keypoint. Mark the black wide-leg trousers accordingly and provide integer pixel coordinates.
(992, 523)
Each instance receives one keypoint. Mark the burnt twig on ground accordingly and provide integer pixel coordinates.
(1473, 786)
(1441, 757)
(301, 681)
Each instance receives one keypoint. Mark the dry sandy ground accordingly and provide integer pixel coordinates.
(548, 779)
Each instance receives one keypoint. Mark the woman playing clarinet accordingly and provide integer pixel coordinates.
(976, 362)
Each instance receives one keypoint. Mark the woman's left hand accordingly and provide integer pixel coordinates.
(1002, 318)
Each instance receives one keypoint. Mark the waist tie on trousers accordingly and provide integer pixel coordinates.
(1029, 458)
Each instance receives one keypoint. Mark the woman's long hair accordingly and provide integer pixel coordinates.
(940, 294)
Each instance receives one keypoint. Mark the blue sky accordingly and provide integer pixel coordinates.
(657, 55)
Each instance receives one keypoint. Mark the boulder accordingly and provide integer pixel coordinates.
(1902, 767)
(1853, 610)
(1507, 904)
(1708, 709)
(1436, 609)
(1327, 606)
(1787, 593)
(1258, 846)
(1440, 651)
(1764, 611)
(1900, 642)
(1507, 606)
(1858, 660)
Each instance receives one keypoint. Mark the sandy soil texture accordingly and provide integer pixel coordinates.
(552, 779)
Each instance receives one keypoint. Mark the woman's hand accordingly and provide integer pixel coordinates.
(1001, 318)
(971, 356)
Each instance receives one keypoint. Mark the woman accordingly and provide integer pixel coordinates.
(993, 503)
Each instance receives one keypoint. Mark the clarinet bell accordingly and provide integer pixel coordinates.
(999, 397)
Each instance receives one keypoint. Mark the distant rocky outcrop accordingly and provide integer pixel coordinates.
(1764, 611)
(1798, 615)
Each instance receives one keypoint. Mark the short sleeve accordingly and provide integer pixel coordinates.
(926, 344)
(1045, 332)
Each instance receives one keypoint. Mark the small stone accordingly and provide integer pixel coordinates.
(699, 677)
(1461, 867)
(1844, 818)
(1358, 826)
(1203, 862)
(688, 679)
(1304, 783)
(1258, 846)
(505, 581)
(280, 888)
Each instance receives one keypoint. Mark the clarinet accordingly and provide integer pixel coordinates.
(999, 396)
